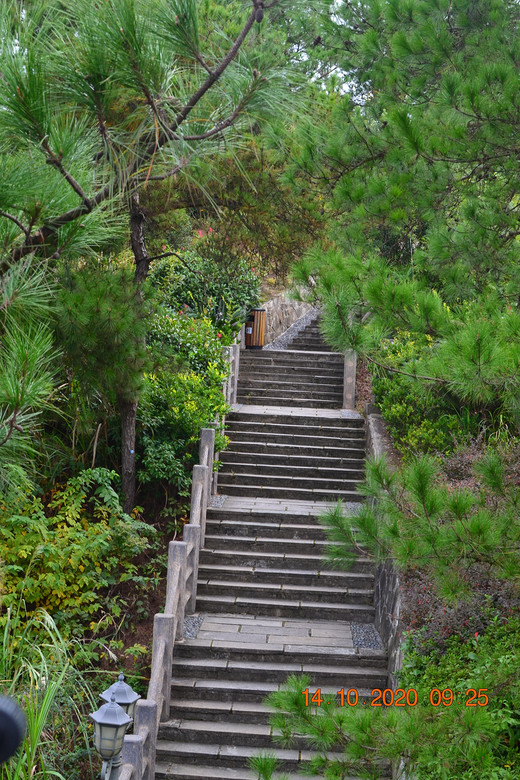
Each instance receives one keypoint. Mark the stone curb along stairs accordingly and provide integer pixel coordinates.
(271, 606)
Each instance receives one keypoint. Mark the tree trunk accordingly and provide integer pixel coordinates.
(128, 409)
(141, 256)
(128, 412)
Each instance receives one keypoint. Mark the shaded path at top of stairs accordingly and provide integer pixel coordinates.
(271, 605)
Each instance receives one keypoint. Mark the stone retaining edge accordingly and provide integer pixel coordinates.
(387, 585)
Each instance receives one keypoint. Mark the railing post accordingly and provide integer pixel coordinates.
(236, 367)
(241, 338)
(145, 720)
(177, 554)
(163, 629)
(198, 482)
(132, 753)
(191, 535)
(206, 455)
(349, 379)
(227, 387)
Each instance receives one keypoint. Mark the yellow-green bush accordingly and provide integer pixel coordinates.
(64, 553)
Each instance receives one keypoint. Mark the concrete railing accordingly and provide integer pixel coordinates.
(230, 385)
(349, 379)
(387, 585)
(138, 755)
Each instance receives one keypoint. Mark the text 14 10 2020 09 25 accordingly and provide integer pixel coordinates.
(472, 697)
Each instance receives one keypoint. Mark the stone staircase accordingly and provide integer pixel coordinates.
(270, 605)
(309, 340)
(285, 378)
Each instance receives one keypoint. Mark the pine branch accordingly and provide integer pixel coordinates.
(40, 237)
(16, 221)
(183, 261)
(172, 172)
(12, 427)
(394, 370)
(55, 161)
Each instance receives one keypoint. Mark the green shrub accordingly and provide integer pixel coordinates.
(181, 397)
(489, 663)
(193, 343)
(63, 554)
(37, 670)
(205, 286)
(419, 419)
(173, 409)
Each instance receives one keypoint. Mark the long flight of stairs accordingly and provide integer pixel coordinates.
(271, 606)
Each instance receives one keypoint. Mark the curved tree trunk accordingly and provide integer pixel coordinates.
(128, 412)
(141, 256)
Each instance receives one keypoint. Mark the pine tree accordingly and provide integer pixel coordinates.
(101, 100)
(421, 177)
(26, 373)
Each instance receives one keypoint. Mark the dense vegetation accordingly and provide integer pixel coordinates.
(111, 336)
(160, 158)
(420, 179)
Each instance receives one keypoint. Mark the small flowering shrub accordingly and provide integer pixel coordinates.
(433, 622)
(63, 554)
(194, 343)
(207, 287)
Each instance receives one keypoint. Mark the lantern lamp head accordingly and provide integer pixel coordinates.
(110, 725)
(124, 695)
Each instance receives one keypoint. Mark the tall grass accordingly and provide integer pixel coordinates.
(35, 669)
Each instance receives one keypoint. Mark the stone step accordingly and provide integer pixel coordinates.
(314, 342)
(289, 471)
(332, 654)
(304, 365)
(272, 560)
(355, 439)
(345, 674)
(296, 427)
(269, 382)
(253, 528)
(328, 578)
(223, 757)
(293, 373)
(229, 477)
(273, 591)
(302, 418)
(312, 610)
(225, 733)
(265, 515)
(265, 544)
(270, 389)
(313, 345)
(237, 692)
(315, 451)
(169, 770)
(268, 491)
(297, 386)
(236, 454)
(218, 710)
(289, 401)
(274, 357)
